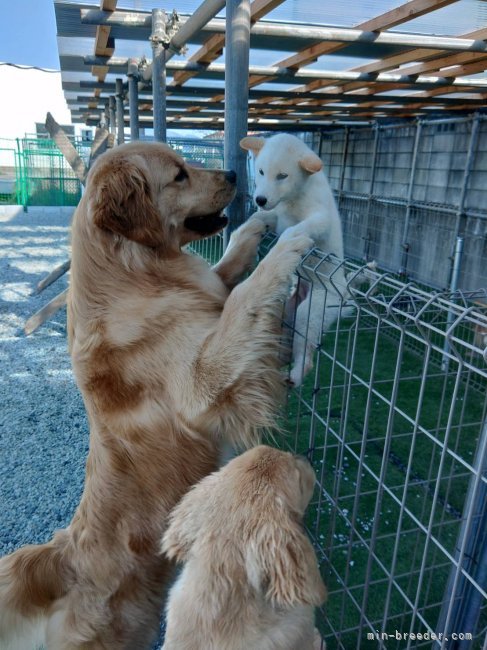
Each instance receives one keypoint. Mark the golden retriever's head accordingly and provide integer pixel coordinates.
(148, 194)
(252, 509)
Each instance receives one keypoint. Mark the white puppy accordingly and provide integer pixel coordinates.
(250, 579)
(294, 195)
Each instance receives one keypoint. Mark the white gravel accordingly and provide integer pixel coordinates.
(43, 425)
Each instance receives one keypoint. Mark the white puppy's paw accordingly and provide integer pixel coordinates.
(294, 241)
(268, 219)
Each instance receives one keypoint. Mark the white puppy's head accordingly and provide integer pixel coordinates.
(283, 164)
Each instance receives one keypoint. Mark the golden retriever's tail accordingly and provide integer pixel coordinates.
(31, 579)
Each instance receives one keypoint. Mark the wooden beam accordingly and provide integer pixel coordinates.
(212, 48)
(392, 18)
(104, 44)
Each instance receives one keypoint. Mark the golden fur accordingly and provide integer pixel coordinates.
(250, 579)
(171, 360)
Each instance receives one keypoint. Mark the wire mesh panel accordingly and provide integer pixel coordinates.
(393, 417)
(46, 177)
(8, 172)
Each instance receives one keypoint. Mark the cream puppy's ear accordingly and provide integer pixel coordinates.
(281, 561)
(186, 521)
(252, 143)
(311, 163)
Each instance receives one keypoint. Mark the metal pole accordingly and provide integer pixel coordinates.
(455, 275)
(405, 243)
(159, 73)
(236, 104)
(462, 601)
(371, 191)
(133, 79)
(119, 103)
(111, 114)
(466, 173)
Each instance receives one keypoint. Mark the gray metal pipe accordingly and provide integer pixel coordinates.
(405, 234)
(286, 75)
(133, 80)
(236, 105)
(120, 112)
(111, 114)
(208, 10)
(159, 73)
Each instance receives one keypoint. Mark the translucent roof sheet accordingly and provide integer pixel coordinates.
(332, 61)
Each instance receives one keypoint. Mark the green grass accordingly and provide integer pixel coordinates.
(351, 391)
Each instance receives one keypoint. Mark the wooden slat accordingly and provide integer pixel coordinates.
(437, 63)
(104, 46)
(213, 47)
(392, 18)
(67, 149)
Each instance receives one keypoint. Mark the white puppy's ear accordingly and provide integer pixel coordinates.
(281, 561)
(252, 143)
(311, 163)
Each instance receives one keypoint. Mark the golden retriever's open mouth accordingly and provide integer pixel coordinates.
(206, 225)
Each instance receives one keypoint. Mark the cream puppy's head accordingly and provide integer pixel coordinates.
(283, 164)
(246, 520)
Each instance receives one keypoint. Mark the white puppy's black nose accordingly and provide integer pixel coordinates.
(261, 201)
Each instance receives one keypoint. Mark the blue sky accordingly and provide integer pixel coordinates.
(28, 33)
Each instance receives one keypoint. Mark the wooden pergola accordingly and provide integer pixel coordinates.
(408, 75)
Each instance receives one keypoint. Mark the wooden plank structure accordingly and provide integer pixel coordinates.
(404, 74)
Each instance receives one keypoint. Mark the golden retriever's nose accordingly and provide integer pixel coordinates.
(261, 201)
(231, 176)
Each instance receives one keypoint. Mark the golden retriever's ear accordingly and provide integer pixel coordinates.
(252, 143)
(122, 203)
(185, 522)
(311, 163)
(282, 563)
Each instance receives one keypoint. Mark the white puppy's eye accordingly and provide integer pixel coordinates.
(281, 176)
(261, 172)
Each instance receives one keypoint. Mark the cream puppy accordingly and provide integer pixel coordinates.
(250, 579)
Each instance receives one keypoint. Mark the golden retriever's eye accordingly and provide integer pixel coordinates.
(181, 175)
(281, 176)
(261, 172)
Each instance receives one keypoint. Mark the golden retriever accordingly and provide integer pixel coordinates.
(171, 359)
(250, 579)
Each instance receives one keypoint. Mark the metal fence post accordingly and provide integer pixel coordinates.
(376, 129)
(119, 102)
(236, 104)
(462, 602)
(405, 243)
(111, 114)
(343, 166)
(133, 81)
(158, 38)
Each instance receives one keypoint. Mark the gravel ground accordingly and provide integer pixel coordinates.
(43, 426)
